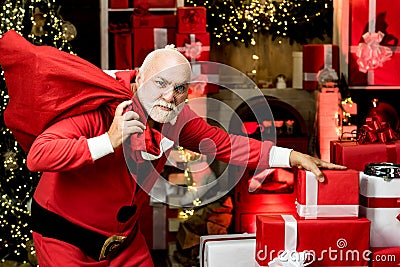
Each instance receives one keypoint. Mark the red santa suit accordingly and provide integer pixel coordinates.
(88, 193)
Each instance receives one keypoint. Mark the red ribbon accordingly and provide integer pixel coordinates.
(376, 131)
(379, 202)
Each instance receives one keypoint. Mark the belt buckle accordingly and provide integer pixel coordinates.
(111, 243)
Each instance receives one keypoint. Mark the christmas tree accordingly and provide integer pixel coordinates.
(40, 23)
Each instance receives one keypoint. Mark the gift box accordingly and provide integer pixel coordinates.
(380, 203)
(227, 250)
(119, 3)
(192, 19)
(356, 156)
(374, 53)
(195, 46)
(122, 34)
(311, 242)
(336, 197)
(385, 257)
(151, 32)
(322, 61)
(146, 4)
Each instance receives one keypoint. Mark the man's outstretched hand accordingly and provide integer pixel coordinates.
(312, 164)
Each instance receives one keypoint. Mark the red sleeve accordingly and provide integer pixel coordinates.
(63, 146)
(198, 135)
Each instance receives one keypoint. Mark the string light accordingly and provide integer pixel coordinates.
(17, 184)
(239, 21)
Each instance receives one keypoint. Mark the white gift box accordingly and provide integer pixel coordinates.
(380, 203)
(228, 250)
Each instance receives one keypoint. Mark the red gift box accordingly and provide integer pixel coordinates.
(195, 46)
(122, 45)
(357, 156)
(192, 19)
(326, 242)
(374, 57)
(151, 32)
(336, 197)
(321, 58)
(145, 4)
(385, 257)
(119, 3)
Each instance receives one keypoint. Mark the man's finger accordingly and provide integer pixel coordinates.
(317, 172)
(134, 123)
(329, 165)
(120, 108)
(131, 115)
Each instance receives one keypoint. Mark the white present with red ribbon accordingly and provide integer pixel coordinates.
(380, 203)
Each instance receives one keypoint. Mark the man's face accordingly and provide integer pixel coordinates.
(163, 93)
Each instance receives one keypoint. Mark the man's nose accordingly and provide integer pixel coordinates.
(168, 94)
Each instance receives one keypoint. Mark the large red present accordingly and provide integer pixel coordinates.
(195, 46)
(374, 52)
(192, 19)
(151, 32)
(322, 60)
(356, 156)
(122, 34)
(336, 197)
(145, 4)
(385, 257)
(380, 203)
(323, 242)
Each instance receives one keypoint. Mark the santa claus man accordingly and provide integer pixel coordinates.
(86, 206)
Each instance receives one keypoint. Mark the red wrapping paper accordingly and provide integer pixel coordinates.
(314, 53)
(194, 46)
(357, 156)
(154, 4)
(119, 3)
(122, 46)
(329, 240)
(340, 188)
(144, 27)
(192, 19)
(387, 21)
(385, 257)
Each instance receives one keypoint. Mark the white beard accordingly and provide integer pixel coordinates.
(164, 116)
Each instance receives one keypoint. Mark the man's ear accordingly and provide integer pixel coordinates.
(138, 78)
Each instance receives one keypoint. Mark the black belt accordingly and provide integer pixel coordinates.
(95, 245)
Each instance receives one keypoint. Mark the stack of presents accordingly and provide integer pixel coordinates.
(155, 24)
(353, 217)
